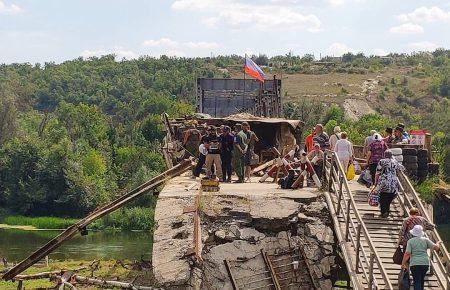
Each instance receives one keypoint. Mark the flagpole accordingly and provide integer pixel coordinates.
(243, 96)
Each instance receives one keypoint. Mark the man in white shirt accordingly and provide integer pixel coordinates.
(369, 139)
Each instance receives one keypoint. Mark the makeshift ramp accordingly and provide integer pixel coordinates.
(368, 242)
(80, 226)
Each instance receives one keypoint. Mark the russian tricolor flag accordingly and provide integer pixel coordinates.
(252, 69)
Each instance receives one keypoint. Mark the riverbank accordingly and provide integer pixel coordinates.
(123, 270)
(134, 218)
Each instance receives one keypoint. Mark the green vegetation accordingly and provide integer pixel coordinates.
(108, 269)
(39, 222)
(78, 134)
(427, 187)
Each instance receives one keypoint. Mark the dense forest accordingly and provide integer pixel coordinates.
(76, 134)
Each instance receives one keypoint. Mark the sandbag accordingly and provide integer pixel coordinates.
(396, 151)
(404, 283)
(399, 158)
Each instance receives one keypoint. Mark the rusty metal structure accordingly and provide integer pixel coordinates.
(224, 97)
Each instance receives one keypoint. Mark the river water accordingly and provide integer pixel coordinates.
(16, 245)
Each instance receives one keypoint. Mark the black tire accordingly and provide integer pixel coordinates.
(422, 153)
(433, 168)
(409, 152)
(422, 172)
(411, 166)
(412, 173)
(423, 160)
(422, 166)
(409, 159)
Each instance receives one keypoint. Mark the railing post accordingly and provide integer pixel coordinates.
(340, 193)
(324, 169)
(347, 225)
(358, 246)
(330, 178)
(372, 258)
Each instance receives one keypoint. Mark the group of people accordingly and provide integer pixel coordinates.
(222, 151)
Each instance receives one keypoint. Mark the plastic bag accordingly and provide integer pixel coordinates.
(358, 169)
(374, 198)
(404, 283)
(350, 172)
(365, 178)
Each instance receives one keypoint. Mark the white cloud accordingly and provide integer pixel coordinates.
(407, 28)
(239, 15)
(423, 46)
(338, 49)
(166, 42)
(117, 50)
(425, 14)
(172, 47)
(380, 52)
(10, 9)
(337, 3)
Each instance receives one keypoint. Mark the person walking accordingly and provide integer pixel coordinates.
(408, 224)
(321, 137)
(212, 144)
(344, 151)
(369, 139)
(240, 147)
(251, 141)
(226, 153)
(335, 137)
(416, 253)
(386, 181)
(375, 154)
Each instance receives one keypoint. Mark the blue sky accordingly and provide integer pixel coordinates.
(57, 30)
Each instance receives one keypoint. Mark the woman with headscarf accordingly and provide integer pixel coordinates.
(375, 154)
(416, 253)
(386, 181)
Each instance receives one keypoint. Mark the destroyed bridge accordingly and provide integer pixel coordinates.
(256, 235)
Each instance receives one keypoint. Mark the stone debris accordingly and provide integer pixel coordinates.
(354, 109)
(236, 226)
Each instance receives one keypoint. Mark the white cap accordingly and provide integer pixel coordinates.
(417, 231)
(337, 129)
(377, 137)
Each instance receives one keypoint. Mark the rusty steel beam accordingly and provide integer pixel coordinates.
(96, 214)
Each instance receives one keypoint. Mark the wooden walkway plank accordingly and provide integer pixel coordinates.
(380, 242)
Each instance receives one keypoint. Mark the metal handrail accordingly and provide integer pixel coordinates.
(407, 187)
(373, 255)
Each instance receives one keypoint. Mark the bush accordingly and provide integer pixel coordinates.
(426, 188)
(135, 218)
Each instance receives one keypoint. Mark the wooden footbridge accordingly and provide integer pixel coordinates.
(368, 242)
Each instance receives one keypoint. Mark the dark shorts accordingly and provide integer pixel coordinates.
(248, 157)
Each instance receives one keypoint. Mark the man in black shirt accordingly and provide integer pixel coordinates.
(227, 144)
(212, 144)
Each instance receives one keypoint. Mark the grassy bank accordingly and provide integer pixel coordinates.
(135, 218)
(108, 269)
(39, 222)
